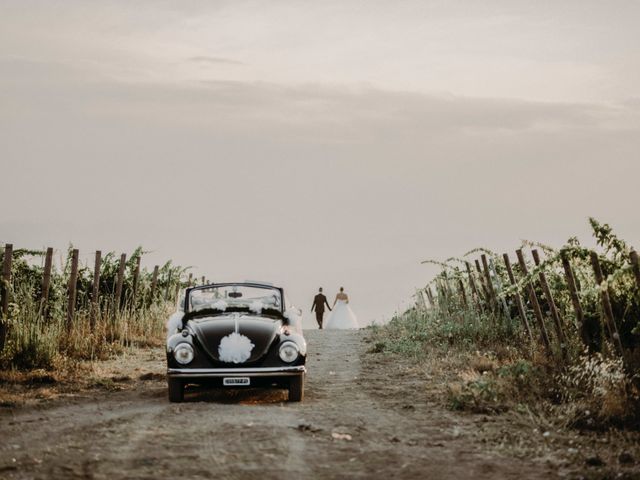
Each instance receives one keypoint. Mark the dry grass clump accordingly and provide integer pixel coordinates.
(36, 343)
(71, 376)
(583, 410)
(39, 332)
(18, 386)
(593, 392)
(489, 385)
(482, 363)
(599, 393)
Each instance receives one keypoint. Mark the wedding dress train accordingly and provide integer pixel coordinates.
(342, 317)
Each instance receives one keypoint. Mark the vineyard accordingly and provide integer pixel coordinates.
(563, 325)
(542, 347)
(56, 314)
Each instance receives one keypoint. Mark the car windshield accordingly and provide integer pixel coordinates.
(254, 298)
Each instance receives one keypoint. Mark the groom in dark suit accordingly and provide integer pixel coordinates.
(319, 302)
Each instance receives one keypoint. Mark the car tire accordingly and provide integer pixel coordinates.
(176, 390)
(296, 388)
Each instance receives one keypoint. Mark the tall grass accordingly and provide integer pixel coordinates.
(40, 336)
(480, 312)
(585, 371)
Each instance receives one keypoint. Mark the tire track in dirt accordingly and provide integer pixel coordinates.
(385, 428)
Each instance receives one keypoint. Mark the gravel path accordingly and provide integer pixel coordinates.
(357, 421)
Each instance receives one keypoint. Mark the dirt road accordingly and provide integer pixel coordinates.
(357, 421)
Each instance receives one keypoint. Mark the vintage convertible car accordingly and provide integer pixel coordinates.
(235, 335)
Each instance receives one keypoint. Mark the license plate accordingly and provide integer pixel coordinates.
(236, 381)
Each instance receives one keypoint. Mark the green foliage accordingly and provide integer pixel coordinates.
(519, 369)
(38, 333)
(584, 374)
(609, 241)
(601, 391)
(478, 396)
(466, 320)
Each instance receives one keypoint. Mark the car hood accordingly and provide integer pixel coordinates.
(254, 336)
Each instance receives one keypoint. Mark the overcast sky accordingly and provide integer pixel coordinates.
(317, 143)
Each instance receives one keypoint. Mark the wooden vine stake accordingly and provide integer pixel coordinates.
(46, 282)
(154, 282)
(4, 292)
(487, 276)
(95, 294)
(533, 298)
(6, 277)
(177, 292)
(555, 315)
(120, 281)
(575, 300)
(430, 296)
(502, 302)
(71, 289)
(166, 288)
(441, 295)
(463, 294)
(489, 282)
(445, 285)
(424, 298)
(635, 265)
(136, 278)
(474, 288)
(606, 304)
(487, 297)
(517, 298)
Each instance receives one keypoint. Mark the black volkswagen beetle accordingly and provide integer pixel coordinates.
(234, 335)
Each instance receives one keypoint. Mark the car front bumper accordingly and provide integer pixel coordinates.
(236, 372)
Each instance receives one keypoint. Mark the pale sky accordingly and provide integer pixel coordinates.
(317, 143)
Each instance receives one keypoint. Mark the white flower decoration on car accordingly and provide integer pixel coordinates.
(220, 305)
(256, 306)
(235, 348)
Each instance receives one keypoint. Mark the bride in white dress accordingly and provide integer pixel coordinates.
(342, 317)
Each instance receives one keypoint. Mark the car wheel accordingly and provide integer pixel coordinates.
(176, 390)
(296, 388)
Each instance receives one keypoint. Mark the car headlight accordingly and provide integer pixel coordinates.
(183, 353)
(289, 352)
